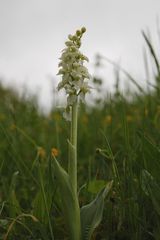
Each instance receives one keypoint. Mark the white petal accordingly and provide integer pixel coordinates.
(71, 100)
(82, 97)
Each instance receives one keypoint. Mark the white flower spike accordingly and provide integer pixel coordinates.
(74, 74)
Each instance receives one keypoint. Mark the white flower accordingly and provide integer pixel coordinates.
(82, 97)
(67, 114)
(74, 73)
(71, 99)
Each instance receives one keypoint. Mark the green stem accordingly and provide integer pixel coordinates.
(72, 167)
(72, 171)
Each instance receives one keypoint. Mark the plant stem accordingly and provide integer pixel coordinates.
(72, 171)
(72, 167)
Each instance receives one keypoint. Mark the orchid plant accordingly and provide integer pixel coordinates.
(81, 222)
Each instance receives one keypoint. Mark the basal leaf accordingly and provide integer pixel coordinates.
(69, 201)
(96, 185)
(91, 214)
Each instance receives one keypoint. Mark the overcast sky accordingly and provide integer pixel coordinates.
(32, 35)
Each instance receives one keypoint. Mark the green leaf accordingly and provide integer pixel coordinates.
(151, 189)
(69, 199)
(4, 223)
(96, 185)
(39, 208)
(91, 214)
(43, 200)
(14, 206)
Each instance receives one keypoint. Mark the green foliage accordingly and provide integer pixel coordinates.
(152, 189)
(117, 139)
(69, 200)
(95, 186)
(14, 206)
(91, 214)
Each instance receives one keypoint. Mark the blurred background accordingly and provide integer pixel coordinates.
(33, 33)
(118, 135)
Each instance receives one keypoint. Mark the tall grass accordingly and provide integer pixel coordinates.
(118, 141)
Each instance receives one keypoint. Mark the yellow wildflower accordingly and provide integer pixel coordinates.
(107, 119)
(158, 109)
(146, 112)
(12, 127)
(2, 117)
(129, 118)
(54, 152)
(85, 119)
(56, 116)
(41, 152)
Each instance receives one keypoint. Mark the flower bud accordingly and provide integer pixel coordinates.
(78, 33)
(85, 58)
(78, 43)
(74, 38)
(68, 44)
(73, 49)
(83, 29)
(70, 37)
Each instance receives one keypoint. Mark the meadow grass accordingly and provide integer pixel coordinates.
(118, 141)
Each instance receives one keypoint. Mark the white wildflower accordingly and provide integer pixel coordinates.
(67, 114)
(74, 73)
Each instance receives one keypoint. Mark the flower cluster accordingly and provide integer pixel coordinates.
(74, 73)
